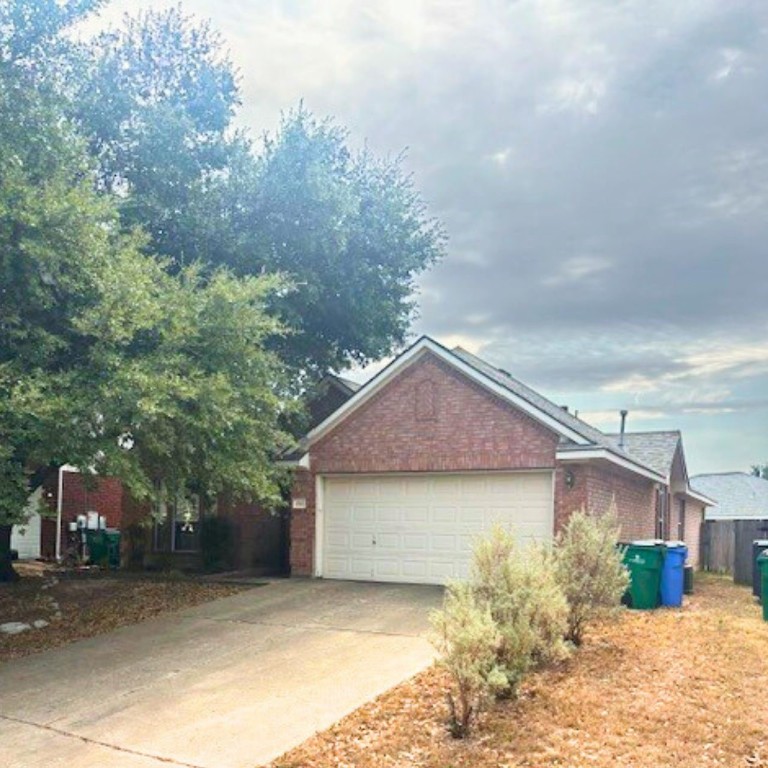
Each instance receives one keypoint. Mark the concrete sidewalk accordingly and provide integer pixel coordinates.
(235, 682)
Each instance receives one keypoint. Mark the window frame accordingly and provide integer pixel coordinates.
(168, 515)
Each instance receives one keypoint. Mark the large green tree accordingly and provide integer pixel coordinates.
(108, 360)
(157, 102)
(349, 228)
(156, 98)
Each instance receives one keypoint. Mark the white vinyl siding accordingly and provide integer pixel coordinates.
(25, 539)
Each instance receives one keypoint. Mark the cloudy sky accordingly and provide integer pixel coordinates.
(601, 167)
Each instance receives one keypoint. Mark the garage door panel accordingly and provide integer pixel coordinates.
(444, 542)
(386, 541)
(416, 515)
(338, 539)
(362, 513)
(445, 515)
(418, 542)
(388, 514)
(415, 569)
(423, 528)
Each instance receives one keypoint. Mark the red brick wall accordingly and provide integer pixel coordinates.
(635, 499)
(78, 498)
(596, 485)
(302, 532)
(694, 516)
(432, 418)
(569, 500)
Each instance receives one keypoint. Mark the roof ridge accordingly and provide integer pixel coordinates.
(650, 432)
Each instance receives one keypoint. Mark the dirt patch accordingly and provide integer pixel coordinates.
(669, 688)
(83, 606)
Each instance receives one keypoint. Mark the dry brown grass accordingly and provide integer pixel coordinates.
(90, 606)
(684, 688)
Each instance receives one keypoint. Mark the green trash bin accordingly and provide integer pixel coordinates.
(97, 547)
(112, 536)
(645, 561)
(104, 548)
(762, 563)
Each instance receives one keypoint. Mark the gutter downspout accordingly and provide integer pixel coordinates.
(59, 506)
(59, 500)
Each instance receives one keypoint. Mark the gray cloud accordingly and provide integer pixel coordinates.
(602, 170)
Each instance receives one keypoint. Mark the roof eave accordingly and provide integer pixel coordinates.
(625, 462)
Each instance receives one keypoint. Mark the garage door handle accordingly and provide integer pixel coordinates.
(373, 540)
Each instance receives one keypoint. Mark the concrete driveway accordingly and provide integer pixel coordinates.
(235, 682)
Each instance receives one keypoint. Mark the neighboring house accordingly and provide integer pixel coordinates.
(172, 539)
(395, 484)
(739, 496)
(740, 517)
(329, 395)
(682, 514)
(26, 538)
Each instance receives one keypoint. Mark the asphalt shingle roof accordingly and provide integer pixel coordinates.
(566, 418)
(654, 449)
(738, 495)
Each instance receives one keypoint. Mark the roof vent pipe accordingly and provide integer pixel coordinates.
(623, 414)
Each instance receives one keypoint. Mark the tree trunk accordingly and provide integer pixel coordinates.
(7, 573)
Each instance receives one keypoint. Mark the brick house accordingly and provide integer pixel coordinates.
(395, 484)
(259, 535)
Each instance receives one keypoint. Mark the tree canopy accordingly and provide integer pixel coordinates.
(157, 103)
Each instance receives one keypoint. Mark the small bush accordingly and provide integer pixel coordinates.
(525, 602)
(467, 639)
(589, 569)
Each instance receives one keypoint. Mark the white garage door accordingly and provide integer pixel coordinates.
(421, 528)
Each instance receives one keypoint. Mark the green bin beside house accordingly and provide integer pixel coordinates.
(644, 561)
(104, 548)
(762, 564)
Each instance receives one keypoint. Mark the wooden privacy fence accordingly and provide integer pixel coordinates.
(726, 546)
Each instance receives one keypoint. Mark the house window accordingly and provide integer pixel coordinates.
(177, 524)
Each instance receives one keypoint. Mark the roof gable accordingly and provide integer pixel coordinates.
(535, 406)
(656, 450)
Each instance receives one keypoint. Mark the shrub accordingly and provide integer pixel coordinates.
(467, 639)
(525, 601)
(589, 569)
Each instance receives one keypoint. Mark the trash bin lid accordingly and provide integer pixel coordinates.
(760, 543)
(671, 544)
(647, 543)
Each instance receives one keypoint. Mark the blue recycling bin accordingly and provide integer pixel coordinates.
(673, 574)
